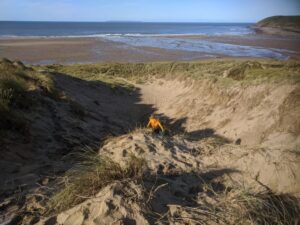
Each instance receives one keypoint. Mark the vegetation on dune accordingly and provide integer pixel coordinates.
(92, 72)
(13, 95)
(237, 205)
(92, 173)
(17, 83)
(216, 203)
(221, 71)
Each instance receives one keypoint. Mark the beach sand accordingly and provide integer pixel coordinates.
(85, 50)
(91, 50)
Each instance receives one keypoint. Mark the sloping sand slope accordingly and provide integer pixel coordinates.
(266, 114)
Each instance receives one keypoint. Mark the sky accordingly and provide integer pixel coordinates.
(146, 10)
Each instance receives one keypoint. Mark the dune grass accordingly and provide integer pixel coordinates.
(224, 72)
(239, 206)
(92, 72)
(92, 173)
(17, 83)
(242, 208)
(217, 203)
(13, 89)
(270, 208)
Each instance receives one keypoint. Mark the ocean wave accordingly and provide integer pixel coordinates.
(237, 33)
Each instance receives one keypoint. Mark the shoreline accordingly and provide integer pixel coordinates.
(86, 50)
(289, 42)
(49, 50)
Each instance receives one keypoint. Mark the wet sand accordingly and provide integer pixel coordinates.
(91, 50)
(85, 50)
(288, 42)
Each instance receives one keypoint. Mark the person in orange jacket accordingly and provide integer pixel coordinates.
(155, 124)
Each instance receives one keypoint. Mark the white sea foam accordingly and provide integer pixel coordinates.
(117, 35)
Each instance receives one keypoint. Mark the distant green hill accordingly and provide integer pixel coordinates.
(275, 24)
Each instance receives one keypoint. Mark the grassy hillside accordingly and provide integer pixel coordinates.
(223, 71)
(288, 23)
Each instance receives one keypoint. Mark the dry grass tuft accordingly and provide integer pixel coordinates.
(236, 205)
(269, 208)
(90, 175)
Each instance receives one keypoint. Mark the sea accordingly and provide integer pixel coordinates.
(146, 34)
(94, 29)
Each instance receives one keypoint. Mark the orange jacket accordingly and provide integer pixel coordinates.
(155, 123)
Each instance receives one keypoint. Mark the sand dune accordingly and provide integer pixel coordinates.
(179, 171)
(231, 155)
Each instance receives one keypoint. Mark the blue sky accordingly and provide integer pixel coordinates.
(146, 10)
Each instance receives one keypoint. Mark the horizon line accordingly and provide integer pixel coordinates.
(118, 21)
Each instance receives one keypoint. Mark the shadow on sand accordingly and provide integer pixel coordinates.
(177, 127)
